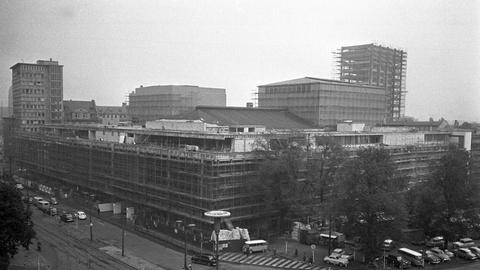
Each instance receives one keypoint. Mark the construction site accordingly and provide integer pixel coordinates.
(376, 65)
(158, 174)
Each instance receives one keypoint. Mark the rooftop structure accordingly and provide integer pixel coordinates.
(376, 65)
(79, 111)
(156, 102)
(37, 93)
(113, 115)
(325, 102)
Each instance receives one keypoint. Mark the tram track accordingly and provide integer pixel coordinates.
(77, 252)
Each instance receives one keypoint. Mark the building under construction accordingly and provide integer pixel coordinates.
(325, 102)
(375, 65)
(188, 167)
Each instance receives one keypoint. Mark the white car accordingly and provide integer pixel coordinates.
(336, 259)
(81, 215)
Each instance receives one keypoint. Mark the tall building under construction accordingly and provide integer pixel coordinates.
(376, 65)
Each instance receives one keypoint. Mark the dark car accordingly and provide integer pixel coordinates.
(396, 261)
(206, 259)
(66, 217)
(431, 258)
(465, 253)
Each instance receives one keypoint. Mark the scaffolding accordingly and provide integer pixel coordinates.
(372, 64)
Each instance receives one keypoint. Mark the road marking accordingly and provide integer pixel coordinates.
(289, 264)
(273, 261)
(261, 262)
(279, 262)
(285, 264)
(257, 259)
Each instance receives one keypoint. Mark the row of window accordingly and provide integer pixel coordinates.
(33, 106)
(32, 114)
(33, 122)
(33, 91)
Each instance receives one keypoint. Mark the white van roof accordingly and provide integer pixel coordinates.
(253, 242)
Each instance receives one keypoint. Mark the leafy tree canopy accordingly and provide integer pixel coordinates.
(371, 198)
(16, 227)
(448, 203)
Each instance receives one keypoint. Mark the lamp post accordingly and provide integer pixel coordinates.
(91, 228)
(185, 227)
(217, 216)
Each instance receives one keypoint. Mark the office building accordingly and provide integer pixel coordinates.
(37, 94)
(162, 101)
(325, 102)
(375, 65)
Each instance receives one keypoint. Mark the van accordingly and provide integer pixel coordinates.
(44, 206)
(255, 246)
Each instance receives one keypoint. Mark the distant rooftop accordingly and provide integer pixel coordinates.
(312, 80)
(243, 116)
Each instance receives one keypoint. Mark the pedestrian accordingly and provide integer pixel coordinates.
(39, 245)
(98, 211)
(189, 266)
(296, 253)
(304, 257)
(274, 252)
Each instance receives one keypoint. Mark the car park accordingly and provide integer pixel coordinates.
(440, 254)
(205, 259)
(336, 259)
(465, 253)
(431, 258)
(66, 217)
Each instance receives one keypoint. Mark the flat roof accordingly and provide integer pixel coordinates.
(313, 80)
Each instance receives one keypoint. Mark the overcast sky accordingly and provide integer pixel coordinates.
(108, 48)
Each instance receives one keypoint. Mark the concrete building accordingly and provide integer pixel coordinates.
(161, 101)
(113, 115)
(375, 65)
(78, 111)
(325, 102)
(175, 172)
(37, 94)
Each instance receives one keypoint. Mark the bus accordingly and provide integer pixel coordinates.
(414, 257)
(255, 246)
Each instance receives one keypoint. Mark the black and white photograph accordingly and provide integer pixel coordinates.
(239, 134)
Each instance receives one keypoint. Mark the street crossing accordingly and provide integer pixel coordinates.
(266, 260)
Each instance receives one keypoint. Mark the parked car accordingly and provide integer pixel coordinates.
(465, 253)
(431, 258)
(440, 254)
(53, 201)
(52, 211)
(205, 259)
(66, 217)
(449, 253)
(437, 241)
(81, 215)
(397, 261)
(387, 244)
(336, 259)
(476, 251)
(342, 253)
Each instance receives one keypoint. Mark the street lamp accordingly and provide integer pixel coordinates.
(185, 227)
(217, 216)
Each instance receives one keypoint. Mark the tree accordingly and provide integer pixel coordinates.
(279, 172)
(371, 198)
(448, 203)
(16, 227)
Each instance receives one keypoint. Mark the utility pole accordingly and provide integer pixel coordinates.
(91, 228)
(123, 235)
